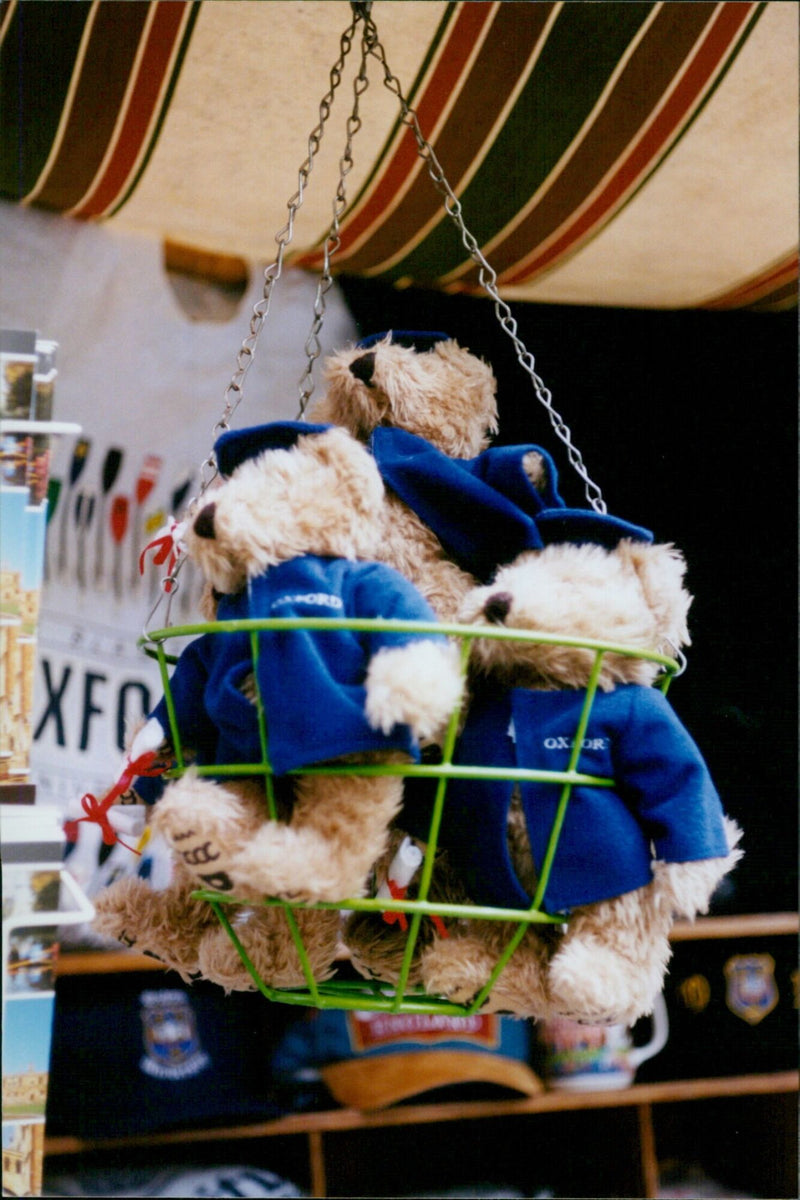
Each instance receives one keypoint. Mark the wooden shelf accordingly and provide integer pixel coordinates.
(639, 1099)
(102, 962)
(337, 1120)
(746, 925)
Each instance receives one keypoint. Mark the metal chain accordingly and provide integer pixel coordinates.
(486, 275)
(313, 347)
(234, 391)
(244, 359)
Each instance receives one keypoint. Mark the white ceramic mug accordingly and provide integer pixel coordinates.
(594, 1057)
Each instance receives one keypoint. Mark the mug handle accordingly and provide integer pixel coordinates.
(639, 1054)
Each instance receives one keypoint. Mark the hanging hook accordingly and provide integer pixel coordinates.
(361, 11)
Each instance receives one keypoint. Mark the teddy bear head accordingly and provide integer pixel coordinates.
(433, 388)
(631, 595)
(285, 490)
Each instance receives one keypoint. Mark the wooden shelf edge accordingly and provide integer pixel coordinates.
(104, 962)
(746, 925)
(334, 1120)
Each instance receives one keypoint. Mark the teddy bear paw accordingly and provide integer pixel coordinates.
(219, 962)
(295, 865)
(418, 684)
(595, 986)
(123, 912)
(455, 976)
(116, 912)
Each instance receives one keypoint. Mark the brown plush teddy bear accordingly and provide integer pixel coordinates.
(292, 532)
(632, 856)
(456, 506)
(427, 386)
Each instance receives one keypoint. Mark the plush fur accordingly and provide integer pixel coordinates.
(322, 497)
(376, 947)
(607, 964)
(445, 395)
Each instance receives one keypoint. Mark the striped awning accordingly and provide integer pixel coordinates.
(637, 154)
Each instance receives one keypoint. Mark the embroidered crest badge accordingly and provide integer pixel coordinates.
(171, 1042)
(752, 992)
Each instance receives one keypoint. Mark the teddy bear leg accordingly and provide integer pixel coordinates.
(611, 962)
(459, 966)
(338, 829)
(167, 925)
(208, 825)
(377, 949)
(264, 933)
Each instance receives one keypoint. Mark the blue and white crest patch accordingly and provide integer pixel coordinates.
(752, 992)
(171, 1042)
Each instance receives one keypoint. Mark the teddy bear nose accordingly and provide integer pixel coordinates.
(364, 368)
(204, 521)
(497, 607)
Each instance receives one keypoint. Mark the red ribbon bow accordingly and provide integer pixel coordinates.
(167, 546)
(97, 810)
(399, 893)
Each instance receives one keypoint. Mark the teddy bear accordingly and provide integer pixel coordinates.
(291, 532)
(631, 857)
(427, 409)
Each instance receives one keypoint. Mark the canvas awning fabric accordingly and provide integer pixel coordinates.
(612, 153)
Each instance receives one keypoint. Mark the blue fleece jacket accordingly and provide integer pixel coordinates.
(484, 510)
(663, 804)
(311, 682)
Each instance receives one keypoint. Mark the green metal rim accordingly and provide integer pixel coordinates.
(370, 904)
(151, 640)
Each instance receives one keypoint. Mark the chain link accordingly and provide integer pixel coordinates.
(313, 347)
(208, 470)
(486, 275)
(234, 391)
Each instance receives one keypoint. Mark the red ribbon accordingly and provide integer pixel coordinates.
(399, 893)
(97, 810)
(167, 551)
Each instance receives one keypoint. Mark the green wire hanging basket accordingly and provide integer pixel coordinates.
(371, 995)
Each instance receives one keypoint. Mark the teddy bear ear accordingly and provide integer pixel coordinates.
(661, 569)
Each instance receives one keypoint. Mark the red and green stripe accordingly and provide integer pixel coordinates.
(504, 35)
(86, 88)
(565, 78)
(772, 288)
(597, 95)
(683, 89)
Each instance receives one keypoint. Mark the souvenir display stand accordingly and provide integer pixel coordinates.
(39, 898)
